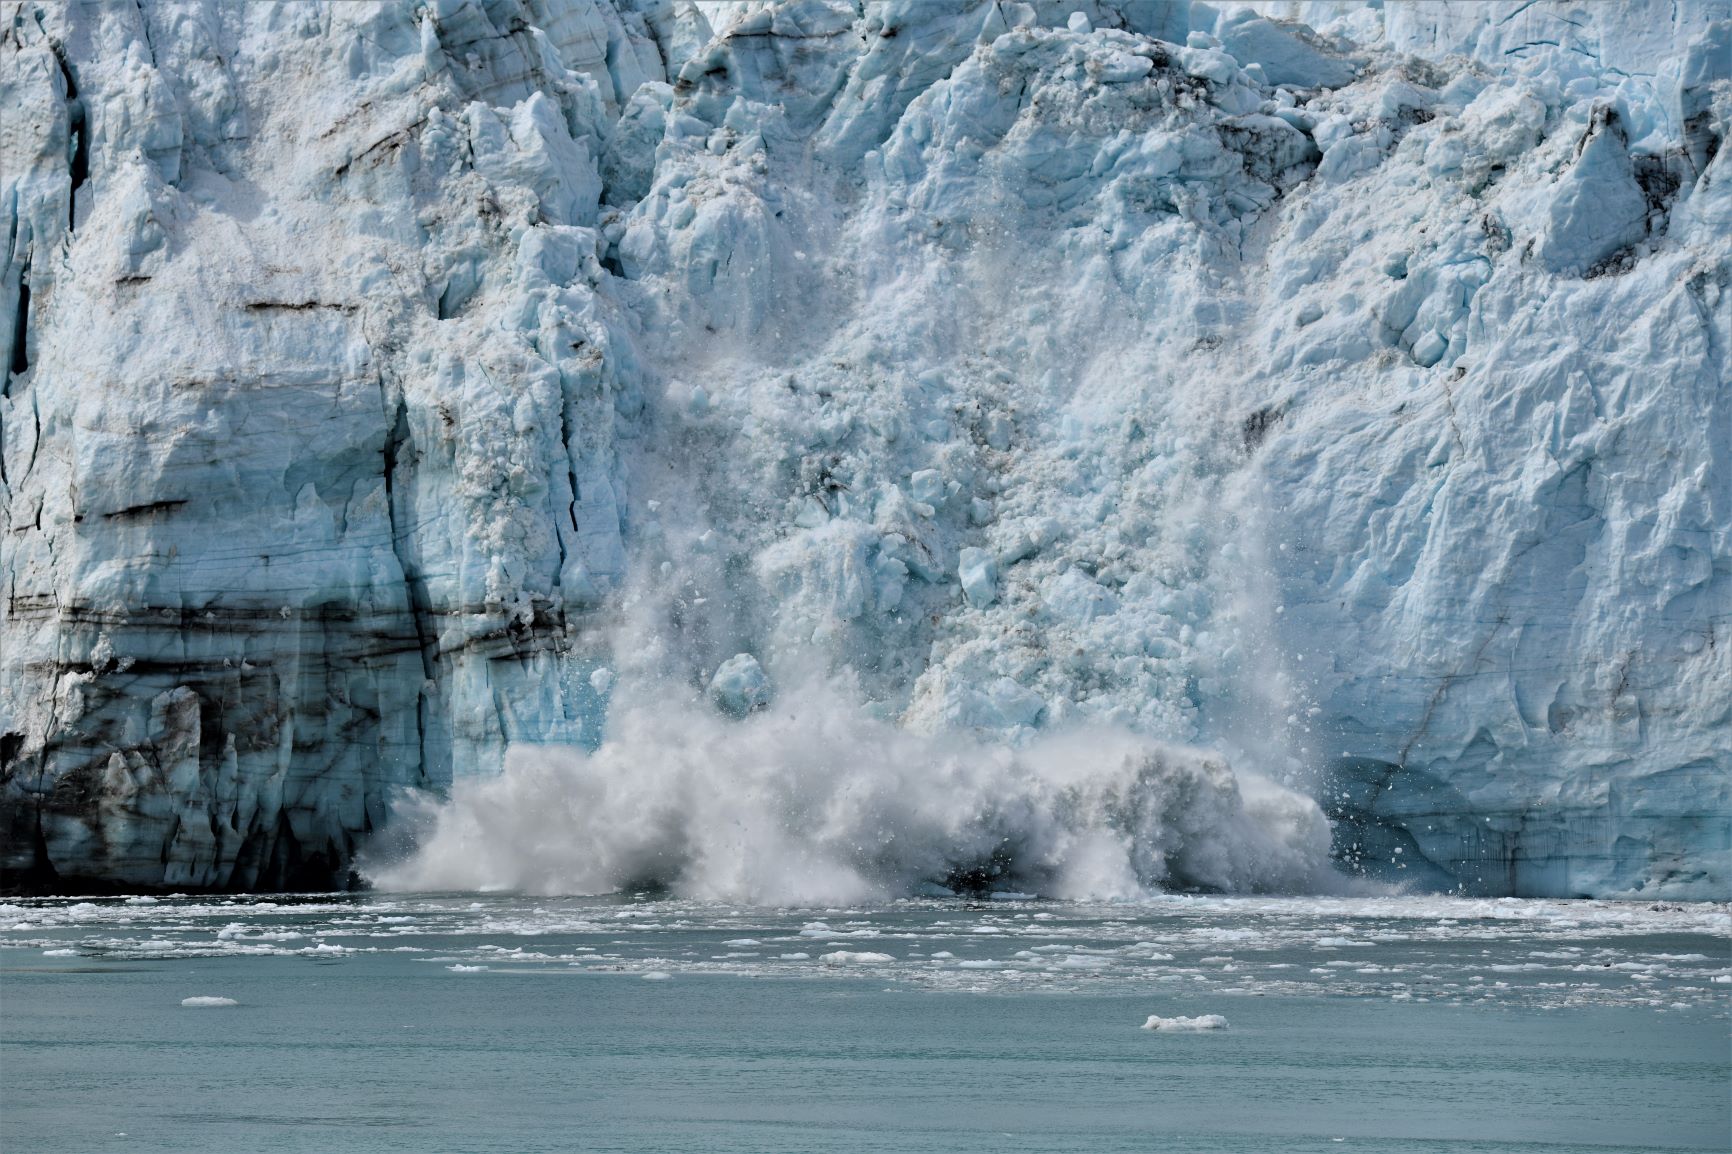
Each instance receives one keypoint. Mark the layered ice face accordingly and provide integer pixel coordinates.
(811, 416)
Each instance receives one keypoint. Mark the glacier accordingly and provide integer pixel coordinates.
(482, 397)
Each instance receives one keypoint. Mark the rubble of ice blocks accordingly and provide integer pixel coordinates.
(1339, 387)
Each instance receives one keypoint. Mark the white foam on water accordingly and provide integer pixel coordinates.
(815, 801)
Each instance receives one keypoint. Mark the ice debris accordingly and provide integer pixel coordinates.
(978, 573)
(1184, 1025)
(853, 958)
(813, 802)
(739, 686)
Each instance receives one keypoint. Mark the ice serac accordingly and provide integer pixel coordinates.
(1340, 388)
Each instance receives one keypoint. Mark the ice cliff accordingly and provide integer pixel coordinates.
(1339, 388)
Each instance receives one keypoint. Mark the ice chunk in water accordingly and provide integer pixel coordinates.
(1183, 1025)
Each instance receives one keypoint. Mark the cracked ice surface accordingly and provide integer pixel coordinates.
(1349, 399)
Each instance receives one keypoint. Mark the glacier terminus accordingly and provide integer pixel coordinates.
(1074, 445)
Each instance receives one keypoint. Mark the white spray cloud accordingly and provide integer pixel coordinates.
(815, 801)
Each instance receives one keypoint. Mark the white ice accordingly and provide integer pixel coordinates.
(1184, 1025)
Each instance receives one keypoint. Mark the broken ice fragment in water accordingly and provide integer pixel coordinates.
(1183, 1025)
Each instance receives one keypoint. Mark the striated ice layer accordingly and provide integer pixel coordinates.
(391, 384)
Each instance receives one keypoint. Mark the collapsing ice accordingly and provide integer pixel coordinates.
(821, 803)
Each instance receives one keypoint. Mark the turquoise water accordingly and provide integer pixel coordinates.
(509, 1024)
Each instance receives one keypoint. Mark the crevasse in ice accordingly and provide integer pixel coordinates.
(391, 383)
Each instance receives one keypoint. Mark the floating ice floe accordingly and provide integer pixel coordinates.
(851, 957)
(1183, 1025)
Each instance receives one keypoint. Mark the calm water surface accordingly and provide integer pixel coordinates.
(397, 1023)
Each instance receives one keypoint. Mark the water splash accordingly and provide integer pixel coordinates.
(816, 801)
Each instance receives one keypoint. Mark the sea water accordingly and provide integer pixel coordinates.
(503, 1023)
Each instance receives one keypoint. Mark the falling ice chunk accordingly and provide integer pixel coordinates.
(739, 687)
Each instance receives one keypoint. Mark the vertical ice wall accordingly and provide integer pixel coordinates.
(1353, 400)
(307, 440)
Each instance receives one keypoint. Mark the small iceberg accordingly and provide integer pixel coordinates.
(208, 1001)
(1185, 1025)
(851, 957)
